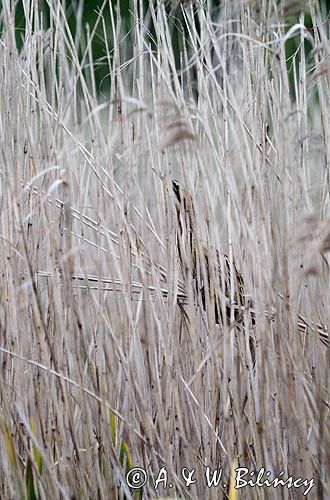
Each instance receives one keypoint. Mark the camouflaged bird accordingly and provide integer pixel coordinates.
(214, 275)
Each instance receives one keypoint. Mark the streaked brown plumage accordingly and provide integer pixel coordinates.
(214, 276)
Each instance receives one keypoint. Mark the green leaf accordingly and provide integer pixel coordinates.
(29, 482)
(36, 453)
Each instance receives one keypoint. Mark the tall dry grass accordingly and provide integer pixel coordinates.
(107, 361)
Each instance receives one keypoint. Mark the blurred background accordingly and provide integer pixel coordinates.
(85, 13)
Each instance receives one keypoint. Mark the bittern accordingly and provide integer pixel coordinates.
(215, 277)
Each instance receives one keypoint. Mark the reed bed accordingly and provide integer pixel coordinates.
(108, 360)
